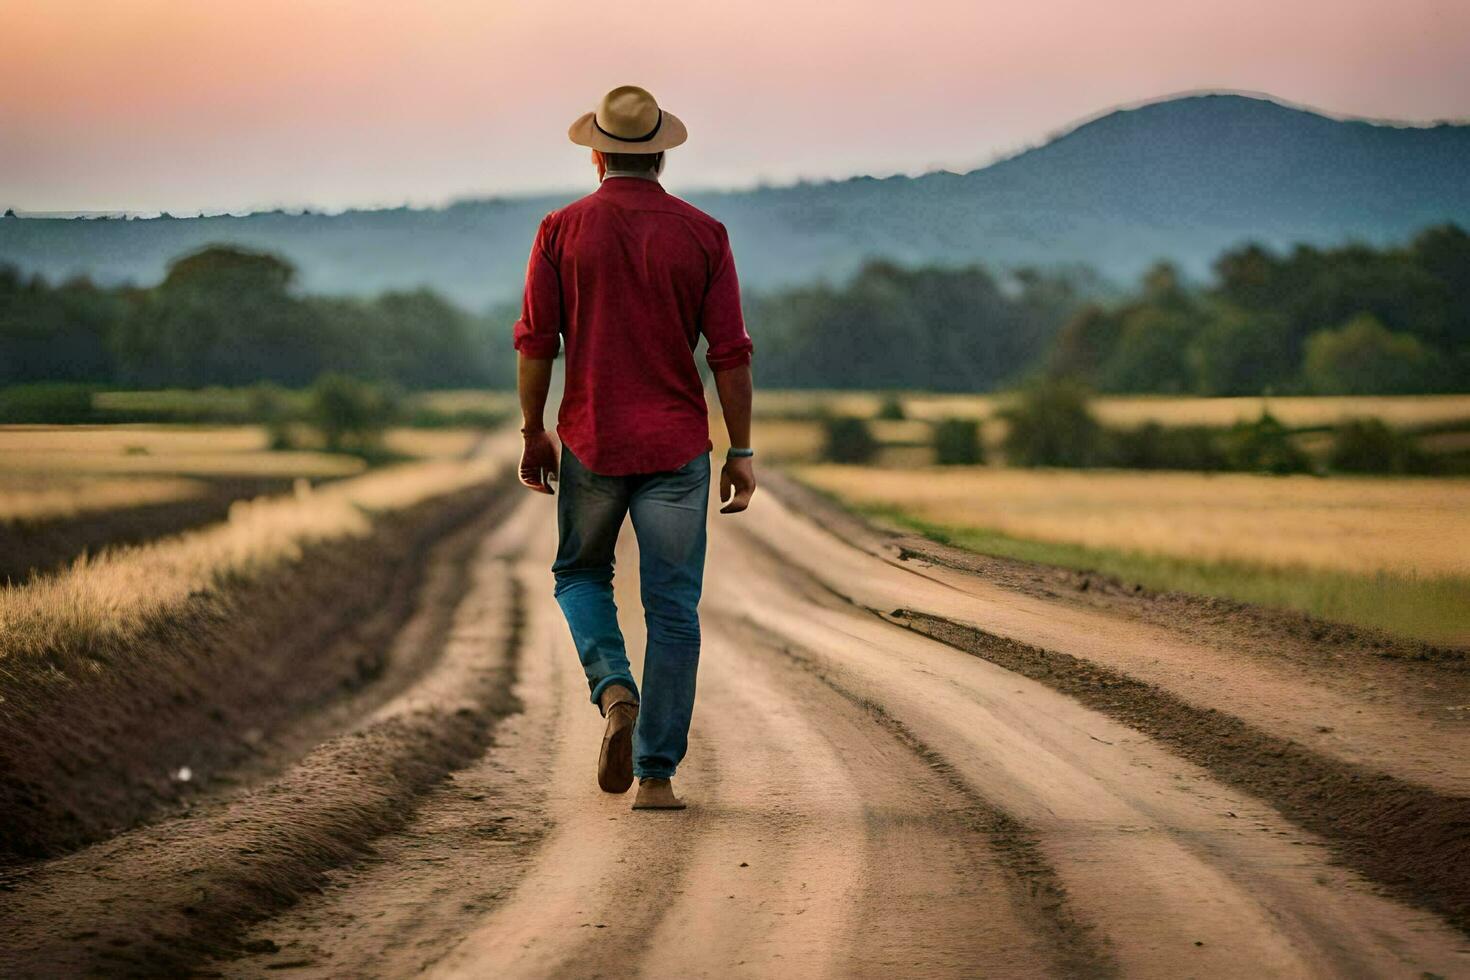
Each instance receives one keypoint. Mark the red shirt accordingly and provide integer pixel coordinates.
(631, 276)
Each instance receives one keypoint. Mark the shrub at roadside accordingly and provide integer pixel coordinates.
(848, 440)
(1053, 426)
(1370, 446)
(350, 414)
(1152, 446)
(1263, 446)
(891, 410)
(957, 442)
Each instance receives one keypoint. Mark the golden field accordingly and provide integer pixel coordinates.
(64, 452)
(46, 497)
(1387, 553)
(118, 591)
(1126, 410)
(1358, 525)
(114, 450)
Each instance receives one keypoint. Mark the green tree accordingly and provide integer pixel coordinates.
(1364, 358)
(1239, 351)
(1151, 353)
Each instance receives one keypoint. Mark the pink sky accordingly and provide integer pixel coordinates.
(185, 105)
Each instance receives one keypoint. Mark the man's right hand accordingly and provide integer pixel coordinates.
(538, 461)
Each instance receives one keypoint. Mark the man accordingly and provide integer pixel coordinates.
(631, 277)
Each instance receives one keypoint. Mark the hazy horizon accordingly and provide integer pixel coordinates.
(146, 106)
(693, 186)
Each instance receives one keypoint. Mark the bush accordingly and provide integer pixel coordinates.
(957, 442)
(891, 410)
(269, 405)
(350, 414)
(1053, 426)
(47, 404)
(1264, 446)
(1369, 446)
(1152, 446)
(848, 440)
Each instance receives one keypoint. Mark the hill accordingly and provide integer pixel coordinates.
(1181, 179)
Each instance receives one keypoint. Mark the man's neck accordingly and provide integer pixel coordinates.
(639, 174)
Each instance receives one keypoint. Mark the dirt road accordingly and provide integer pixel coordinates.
(867, 800)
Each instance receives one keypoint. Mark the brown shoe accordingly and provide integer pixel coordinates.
(615, 762)
(656, 794)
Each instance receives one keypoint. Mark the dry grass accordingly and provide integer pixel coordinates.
(1357, 525)
(117, 593)
(157, 450)
(44, 498)
(432, 443)
(470, 400)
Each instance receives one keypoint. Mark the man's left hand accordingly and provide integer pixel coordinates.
(737, 484)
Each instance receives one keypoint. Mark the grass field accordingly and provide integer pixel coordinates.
(1389, 553)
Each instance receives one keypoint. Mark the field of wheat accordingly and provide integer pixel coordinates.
(118, 591)
(1393, 554)
(1363, 526)
(68, 452)
(116, 450)
(1127, 410)
(36, 497)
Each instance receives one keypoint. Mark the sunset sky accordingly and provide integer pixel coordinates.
(185, 105)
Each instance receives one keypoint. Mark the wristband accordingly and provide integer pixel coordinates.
(734, 453)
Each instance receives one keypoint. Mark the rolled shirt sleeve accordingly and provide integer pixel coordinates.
(721, 322)
(538, 331)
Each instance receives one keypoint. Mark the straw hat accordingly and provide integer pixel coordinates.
(628, 120)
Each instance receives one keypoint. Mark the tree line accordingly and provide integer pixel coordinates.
(933, 328)
(1349, 320)
(228, 316)
(1353, 320)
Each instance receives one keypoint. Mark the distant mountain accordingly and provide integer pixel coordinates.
(1179, 179)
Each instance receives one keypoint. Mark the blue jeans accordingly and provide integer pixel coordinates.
(669, 511)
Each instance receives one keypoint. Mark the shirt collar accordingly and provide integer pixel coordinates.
(621, 180)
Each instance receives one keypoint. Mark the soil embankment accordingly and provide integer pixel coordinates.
(93, 744)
